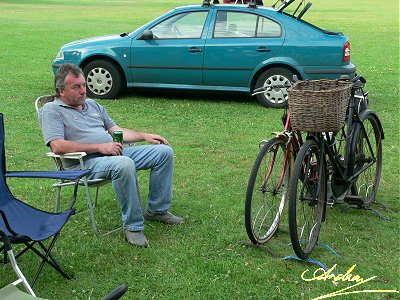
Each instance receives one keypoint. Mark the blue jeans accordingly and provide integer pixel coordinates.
(122, 172)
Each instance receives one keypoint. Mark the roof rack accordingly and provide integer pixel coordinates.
(206, 3)
(283, 5)
(252, 4)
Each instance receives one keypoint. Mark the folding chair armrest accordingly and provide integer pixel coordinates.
(117, 293)
(62, 175)
(72, 155)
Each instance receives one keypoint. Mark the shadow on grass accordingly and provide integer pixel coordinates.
(207, 96)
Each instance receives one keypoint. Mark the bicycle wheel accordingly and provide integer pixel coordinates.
(307, 193)
(367, 150)
(266, 191)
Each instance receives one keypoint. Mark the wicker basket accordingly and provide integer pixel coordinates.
(319, 105)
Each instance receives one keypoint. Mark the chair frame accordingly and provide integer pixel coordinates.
(27, 225)
(30, 245)
(13, 291)
(17, 270)
(86, 183)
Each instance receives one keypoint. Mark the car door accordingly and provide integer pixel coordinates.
(175, 53)
(238, 43)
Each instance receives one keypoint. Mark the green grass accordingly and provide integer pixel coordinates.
(215, 139)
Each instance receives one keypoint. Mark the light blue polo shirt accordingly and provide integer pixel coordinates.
(89, 126)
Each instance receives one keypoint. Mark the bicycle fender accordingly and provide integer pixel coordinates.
(282, 135)
(312, 137)
(363, 115)
(279, 134)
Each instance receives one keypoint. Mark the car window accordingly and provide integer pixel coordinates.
(229, 24)
(182, 26)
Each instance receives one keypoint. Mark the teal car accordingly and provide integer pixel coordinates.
(212, 47)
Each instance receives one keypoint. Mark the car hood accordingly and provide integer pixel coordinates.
(97, 41)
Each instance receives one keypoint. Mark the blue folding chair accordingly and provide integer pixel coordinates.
(24, 224)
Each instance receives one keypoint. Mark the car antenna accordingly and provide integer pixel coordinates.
(206, 3)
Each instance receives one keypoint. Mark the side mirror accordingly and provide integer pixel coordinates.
(147, 35)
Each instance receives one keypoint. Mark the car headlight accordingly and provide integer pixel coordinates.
(60, 55)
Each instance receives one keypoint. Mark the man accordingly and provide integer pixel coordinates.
(73, 123)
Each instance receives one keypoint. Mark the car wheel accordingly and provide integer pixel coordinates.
(277, 97)
(103, 80)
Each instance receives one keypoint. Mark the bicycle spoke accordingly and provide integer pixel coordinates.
(307, 193)
(266, 194)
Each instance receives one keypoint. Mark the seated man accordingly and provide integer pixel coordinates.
(73, 123)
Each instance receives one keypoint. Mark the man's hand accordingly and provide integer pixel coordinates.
(111, 148)
(154, 139)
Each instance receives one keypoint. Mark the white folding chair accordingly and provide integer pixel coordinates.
(87, 184)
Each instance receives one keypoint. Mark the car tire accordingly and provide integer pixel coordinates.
(103, 80)
(277, 97)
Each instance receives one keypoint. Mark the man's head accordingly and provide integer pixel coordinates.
(70, 85)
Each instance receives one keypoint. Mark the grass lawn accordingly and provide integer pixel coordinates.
(215, 139)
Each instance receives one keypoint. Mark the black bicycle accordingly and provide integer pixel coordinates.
(349, 160)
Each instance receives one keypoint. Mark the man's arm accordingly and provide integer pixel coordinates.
(131, 136)
(61, 146)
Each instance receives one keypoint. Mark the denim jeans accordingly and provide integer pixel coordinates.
(122, 171)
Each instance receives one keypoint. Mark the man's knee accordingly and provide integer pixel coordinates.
(124, 166)
(165, 152)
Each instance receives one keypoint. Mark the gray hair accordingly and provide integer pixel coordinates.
(63, 71)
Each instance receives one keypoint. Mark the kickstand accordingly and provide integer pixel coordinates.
(371, 209)
(313, 261)
(307, 260)
(260, 246)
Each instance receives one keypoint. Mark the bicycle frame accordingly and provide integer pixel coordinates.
(292, 138)
(342, 171)
(293, 141)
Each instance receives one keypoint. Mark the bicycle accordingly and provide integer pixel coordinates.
(351, 157)
(268, 183)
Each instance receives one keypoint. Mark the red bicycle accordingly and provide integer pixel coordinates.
(267, 188)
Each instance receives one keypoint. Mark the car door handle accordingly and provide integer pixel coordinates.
(194, 50)
(263, 49)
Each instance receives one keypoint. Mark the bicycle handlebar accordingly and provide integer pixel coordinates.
(269, 88)
(359, 78)
(358, 81)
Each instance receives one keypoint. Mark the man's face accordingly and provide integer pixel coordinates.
(74, 91)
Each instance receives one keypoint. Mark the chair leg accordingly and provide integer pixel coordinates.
(92, 206)
(19, 273)
(48, 258)
(91, 209)
(58, 199)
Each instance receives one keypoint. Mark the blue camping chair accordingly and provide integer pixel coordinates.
(24, 224)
